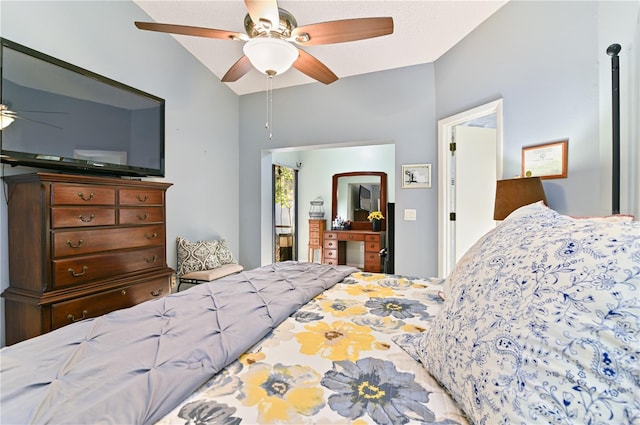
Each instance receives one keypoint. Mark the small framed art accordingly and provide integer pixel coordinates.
(547, 160)
(416, 176)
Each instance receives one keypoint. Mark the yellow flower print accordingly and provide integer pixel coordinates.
(382, 346)
(250, 358)
(343, 307)
(370, 290)
(368, 276)
(282, 393)
(397, 283)
(335, 341)
(413, 328)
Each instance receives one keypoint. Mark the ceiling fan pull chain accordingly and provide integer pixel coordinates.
(269, 124)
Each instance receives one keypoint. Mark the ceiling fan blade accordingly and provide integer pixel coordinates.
(263, 10)
(315, 69)
(32, 120)
(342, 31)
(194, 31)
(41, 112)
(240, 68)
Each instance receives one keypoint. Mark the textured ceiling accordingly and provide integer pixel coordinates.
(423, 31)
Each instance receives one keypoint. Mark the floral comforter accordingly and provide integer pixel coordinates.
(333, 362)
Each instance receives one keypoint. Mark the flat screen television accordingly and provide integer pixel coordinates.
(364, 198)
(68, 118)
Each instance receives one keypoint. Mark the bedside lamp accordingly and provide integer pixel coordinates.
(512, 194)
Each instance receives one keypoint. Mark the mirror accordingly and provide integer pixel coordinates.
(355, 194)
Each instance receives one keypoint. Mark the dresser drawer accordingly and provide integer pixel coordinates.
(350, 236)
(330, 261)
(79, 242)
(373, 238)
(314, 226)
(372, 262)
(372, 246)
(66, 312)
(82, 216)
(314, 241)
(88, 268)
(330, 235)
(141, 215)
(67, 194)
(331, 253)
(141, 197)
(330, 244)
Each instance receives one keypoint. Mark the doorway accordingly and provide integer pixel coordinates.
(470, 161)
(285, 209)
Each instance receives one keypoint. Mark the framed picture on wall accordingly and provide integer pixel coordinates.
(547, 160)
(416, 176)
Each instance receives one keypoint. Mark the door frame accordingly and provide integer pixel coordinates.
(446, 185)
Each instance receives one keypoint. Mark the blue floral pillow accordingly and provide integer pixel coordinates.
(541, 324)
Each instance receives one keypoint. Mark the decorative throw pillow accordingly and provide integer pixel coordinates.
(541, 323)
(196, 256)
(224, 253)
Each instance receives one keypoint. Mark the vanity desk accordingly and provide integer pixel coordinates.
(354, 195)
(335, 247)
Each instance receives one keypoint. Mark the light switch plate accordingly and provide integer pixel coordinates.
(410, 215)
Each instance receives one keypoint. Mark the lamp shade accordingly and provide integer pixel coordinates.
(512, 194)
(270, 55)
(5, 121)
(5, 116)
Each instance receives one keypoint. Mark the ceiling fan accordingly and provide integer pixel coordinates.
(7, 116)
(271, 36)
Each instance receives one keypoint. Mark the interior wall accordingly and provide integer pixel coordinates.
(550, 81)
(201, 113)
(391, 106)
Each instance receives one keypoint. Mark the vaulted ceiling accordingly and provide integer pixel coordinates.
(423, 31)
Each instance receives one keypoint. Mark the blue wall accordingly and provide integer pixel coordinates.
(385, 107)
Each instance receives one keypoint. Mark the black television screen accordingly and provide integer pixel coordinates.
(365, 198)
(68, 118)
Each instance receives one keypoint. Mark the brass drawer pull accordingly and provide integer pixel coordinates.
(78, 245)
(152, 259)
(151, 236)
(142, 198)
(156, 293)
(142, 217)
(74, 274)
(73, 319)
(87, 219)
(85, 198)
(123, 292)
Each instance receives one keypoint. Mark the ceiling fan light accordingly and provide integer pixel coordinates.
(270, 56)
(5, 121)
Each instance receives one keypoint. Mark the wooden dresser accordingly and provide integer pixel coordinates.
(335, 250)
(80, 247)
(316, 238)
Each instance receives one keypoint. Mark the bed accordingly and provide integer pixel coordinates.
(538, 323)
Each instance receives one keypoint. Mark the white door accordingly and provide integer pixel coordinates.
(466, 180)
(475, 185)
